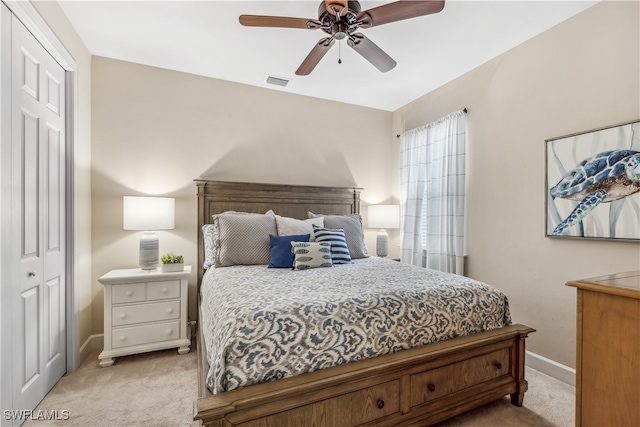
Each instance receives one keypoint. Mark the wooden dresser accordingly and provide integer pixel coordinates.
(608, 350)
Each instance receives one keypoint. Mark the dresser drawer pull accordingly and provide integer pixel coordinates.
(169, 331)
(164, 290)
(431, 387)
(169, 310)
(123, 315)
(128, 293)
(122, 338)
(380, 403)
(497, 365)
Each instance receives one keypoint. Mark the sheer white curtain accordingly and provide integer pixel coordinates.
(432, 194)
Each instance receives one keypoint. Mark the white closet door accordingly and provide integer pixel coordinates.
(38, 219)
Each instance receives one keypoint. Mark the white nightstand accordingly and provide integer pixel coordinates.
(144, 311)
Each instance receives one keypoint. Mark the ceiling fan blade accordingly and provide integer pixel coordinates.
(316, 54)
(279, 21)
(334, 6)
(371, 52)
(398, 11)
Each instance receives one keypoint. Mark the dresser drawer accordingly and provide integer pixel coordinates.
(163, 290)
(139, 313)
(350, 409)
(136, 335)
(435, 383)
(374, 402)
(130, 292)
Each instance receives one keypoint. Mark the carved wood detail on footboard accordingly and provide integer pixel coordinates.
(420, 386)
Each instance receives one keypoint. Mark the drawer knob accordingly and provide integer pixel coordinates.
(164, 290)
(497, 365)
(129, 293)
(32, 274)
(123, 315)
(431, 387)
(169, 331)
(169, 310)
(380, 403)
(122, 338)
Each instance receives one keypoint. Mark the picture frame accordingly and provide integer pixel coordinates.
(593, 184)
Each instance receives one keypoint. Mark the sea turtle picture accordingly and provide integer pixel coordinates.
(605, 177)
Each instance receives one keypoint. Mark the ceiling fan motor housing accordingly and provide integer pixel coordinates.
(339, 26)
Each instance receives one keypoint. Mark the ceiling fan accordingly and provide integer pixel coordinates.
(341, 19)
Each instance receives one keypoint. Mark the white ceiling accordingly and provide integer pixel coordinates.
(205, 38)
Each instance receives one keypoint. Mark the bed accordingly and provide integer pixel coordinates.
(380, 368)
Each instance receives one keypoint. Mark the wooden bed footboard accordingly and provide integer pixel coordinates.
(420, 386)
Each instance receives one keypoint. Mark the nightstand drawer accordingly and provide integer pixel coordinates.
(136, 335)
(130, 314)
(130, 292)
(163, 290)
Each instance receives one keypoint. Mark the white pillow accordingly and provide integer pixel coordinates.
(289, 226)
(308, 255)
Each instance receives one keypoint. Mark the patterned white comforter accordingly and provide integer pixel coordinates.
(263, 324)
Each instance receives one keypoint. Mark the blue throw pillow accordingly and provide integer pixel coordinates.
(281, 255)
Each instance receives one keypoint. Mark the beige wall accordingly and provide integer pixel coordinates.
(57, 21)
(580, 75)
(155, 131)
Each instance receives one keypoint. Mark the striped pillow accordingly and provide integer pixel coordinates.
(335, 236)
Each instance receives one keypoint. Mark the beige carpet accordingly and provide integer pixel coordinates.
(159, 388)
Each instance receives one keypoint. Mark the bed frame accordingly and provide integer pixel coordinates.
(420, 386)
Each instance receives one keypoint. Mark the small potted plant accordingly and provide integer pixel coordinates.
(172, 262)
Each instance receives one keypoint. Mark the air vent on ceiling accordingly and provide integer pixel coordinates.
(278, 81)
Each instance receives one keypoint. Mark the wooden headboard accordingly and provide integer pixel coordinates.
(287, 200)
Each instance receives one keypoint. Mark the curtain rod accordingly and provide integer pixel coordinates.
(464, 110)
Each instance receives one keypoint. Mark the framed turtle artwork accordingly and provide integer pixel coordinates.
(593, 184)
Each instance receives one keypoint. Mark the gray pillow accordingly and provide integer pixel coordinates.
(352, 226)
(243, 238)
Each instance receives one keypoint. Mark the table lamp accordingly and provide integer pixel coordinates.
(148, 214)
(383, 217)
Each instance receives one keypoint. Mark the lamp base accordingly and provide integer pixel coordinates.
(382, 243)
(149, 256)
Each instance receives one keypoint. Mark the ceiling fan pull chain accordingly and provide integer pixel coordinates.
(340, 52)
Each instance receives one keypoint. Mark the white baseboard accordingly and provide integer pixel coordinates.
(551, 368)
(94, 342)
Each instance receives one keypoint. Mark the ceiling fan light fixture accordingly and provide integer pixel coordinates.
(277, 81)
(341, 31)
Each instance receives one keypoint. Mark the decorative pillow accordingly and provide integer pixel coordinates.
(209, 237)
(281, 254)
(287, 226)
(243, 238)
(353, 231)
(311, 255)
(339, 249)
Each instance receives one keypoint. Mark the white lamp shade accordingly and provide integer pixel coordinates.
(384, 216)
(148, 213)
